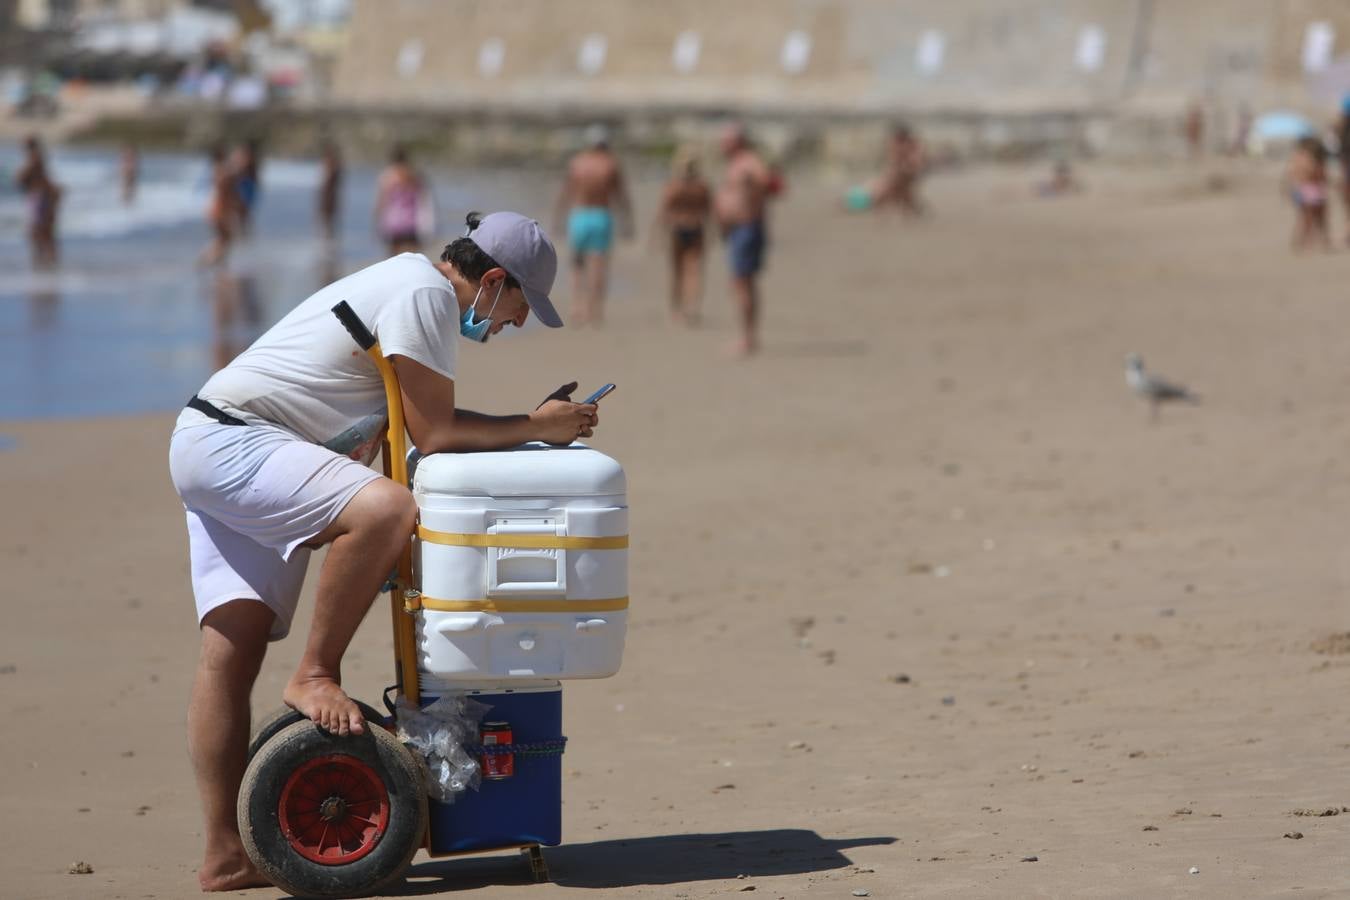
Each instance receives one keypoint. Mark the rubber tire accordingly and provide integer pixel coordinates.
(266, 845)
(283, 717)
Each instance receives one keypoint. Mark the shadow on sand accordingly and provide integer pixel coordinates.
(663, 859)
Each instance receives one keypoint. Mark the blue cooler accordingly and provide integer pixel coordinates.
(525, 808)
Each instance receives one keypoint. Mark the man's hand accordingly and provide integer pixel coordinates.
(562, 393)
(560, 422)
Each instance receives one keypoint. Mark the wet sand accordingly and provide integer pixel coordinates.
(918, 595)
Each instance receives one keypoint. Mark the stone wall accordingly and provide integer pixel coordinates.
(513, 79)
(863, 55)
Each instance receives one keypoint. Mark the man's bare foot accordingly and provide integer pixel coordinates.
(232, 872)
(742, 348)
(324, 701)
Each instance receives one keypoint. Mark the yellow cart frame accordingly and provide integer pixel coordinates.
(404, 599)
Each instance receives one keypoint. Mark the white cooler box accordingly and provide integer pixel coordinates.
(522, 559)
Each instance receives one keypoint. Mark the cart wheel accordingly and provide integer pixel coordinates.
(326, 816)
(283, 717)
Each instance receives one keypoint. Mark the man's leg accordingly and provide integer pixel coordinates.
(1323, 229)
(234, 639)
(692, 262)
(747, 305)
(597, 276)
(580, 301)
(676, 281)
(366, 540)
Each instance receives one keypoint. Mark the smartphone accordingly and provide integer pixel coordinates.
(595, 398)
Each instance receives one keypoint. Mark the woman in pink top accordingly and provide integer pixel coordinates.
(401, 204)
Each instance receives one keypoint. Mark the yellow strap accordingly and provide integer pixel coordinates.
(522, 541)
(508, 605)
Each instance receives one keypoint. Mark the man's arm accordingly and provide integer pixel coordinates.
(756, 181)
(436, 426)
(623, 205)
(564, 202)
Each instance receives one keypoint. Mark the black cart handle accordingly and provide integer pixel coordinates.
(355, 327)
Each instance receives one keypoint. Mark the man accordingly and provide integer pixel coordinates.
(905, 164)
(270, 460)
(247, 164)
(742, 205)
(593, 192)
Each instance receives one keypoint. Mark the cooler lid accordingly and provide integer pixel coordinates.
(530, 470)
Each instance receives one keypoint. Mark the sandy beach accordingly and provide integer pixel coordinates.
(923, 604)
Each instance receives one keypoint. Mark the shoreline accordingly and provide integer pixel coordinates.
(536, 135)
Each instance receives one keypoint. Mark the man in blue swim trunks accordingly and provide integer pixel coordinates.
(742, 205)
(593, 192)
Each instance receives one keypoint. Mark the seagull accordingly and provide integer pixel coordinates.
(1155, 390)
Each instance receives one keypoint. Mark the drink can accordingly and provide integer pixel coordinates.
(496, 766)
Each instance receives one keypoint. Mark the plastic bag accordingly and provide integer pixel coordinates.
(440, 732)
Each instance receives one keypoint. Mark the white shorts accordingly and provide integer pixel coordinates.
(254, 494)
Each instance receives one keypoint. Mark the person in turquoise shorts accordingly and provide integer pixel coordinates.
(591, 196)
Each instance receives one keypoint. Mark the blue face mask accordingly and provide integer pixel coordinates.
(478, 331)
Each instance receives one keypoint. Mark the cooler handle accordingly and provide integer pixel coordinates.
(526, 571)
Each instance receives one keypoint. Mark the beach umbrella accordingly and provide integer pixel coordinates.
(1282, 125)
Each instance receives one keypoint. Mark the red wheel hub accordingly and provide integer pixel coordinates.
(334, 809)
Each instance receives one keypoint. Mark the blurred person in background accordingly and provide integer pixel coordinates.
(1061, 181)
(1343, 156)
(897, 184)
(402, 204)
(906, 161)
(1193, 128)
(1242, 131)
(1306, 181)
(44, 201)
(248, 180)
(223, 210)
(741, 205)
(592, 194)
(129, 168)
(686, 203)
(330, 189)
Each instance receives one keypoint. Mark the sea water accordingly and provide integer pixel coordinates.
(129, 322)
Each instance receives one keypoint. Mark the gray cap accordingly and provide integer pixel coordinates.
(520, 247)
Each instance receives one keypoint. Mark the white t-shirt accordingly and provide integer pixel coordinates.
(308, 375)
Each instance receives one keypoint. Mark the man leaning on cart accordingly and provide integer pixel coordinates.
(271, 460)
